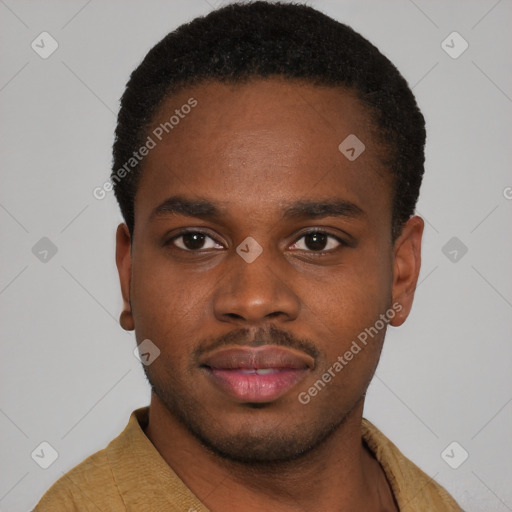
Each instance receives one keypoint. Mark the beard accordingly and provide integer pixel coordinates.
(263, 434)
(254, 442)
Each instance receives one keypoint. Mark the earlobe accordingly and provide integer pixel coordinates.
(126, 320)
(124, 268)
(406, 269)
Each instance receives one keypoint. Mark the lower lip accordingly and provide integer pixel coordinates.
(251, 387)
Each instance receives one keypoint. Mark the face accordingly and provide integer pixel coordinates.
(260, 255)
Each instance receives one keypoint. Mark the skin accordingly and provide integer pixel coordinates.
(253, 148)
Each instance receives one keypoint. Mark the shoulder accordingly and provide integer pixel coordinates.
(93, 484)
(89, 486)
(413, 488)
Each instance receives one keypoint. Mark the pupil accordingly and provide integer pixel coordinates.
(193, 240)
(318, 241)
(314, 241)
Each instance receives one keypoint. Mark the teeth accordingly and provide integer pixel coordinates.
(259, 371)
(265, 371)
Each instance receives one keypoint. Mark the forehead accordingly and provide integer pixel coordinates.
(260, 142)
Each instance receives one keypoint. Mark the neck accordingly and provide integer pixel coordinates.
(340, 474)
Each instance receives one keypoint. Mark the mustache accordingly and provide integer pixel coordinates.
(246, 337)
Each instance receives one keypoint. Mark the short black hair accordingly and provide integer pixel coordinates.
(241, 41)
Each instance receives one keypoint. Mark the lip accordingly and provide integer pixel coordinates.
(256, 374)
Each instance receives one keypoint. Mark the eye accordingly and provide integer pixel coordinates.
(193, 241)
(318, 241)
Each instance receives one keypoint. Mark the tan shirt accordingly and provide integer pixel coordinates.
(130, 475)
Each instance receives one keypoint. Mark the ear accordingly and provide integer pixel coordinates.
(406, 267)
(124, 268)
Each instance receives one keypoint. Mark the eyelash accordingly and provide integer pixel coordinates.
(323, 252)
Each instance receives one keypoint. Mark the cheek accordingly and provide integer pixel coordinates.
(167, 304)
(352, 296)
(347, 308)
(350, 332)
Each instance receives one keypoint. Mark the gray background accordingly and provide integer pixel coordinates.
(68, 373)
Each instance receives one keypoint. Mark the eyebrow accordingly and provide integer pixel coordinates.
(204, 209)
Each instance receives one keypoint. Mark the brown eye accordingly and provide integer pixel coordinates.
(193, 241)
(317, 241)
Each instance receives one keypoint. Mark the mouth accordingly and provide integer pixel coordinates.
(260, 374)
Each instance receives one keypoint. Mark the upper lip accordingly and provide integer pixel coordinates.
(266, 356)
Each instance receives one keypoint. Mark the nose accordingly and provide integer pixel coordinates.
(252, 293)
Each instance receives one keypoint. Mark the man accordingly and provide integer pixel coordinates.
(267, 163)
